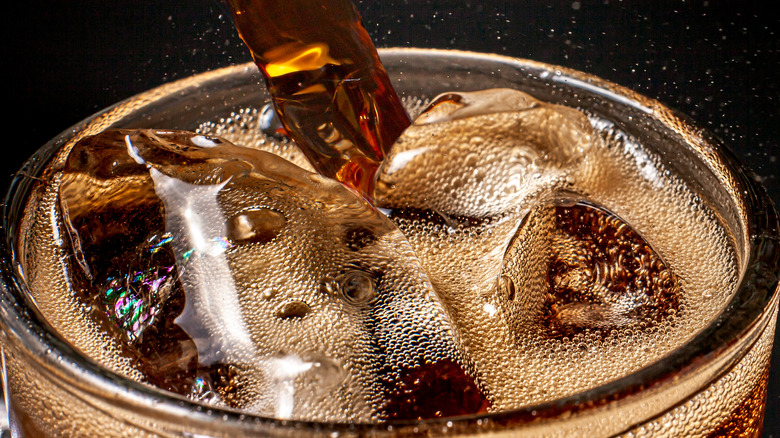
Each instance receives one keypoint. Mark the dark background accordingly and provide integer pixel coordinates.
(716, 61)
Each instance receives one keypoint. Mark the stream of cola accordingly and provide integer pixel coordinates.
(328, 86)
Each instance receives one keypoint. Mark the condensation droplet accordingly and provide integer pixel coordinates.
(260, 225)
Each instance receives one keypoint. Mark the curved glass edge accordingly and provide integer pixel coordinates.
(756, 290)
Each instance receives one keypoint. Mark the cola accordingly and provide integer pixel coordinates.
(327, 83)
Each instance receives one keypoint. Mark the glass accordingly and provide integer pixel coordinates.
(715, 380)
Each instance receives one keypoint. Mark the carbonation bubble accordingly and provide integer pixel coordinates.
(357, 287)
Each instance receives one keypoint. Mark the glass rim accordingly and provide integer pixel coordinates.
(756, 290)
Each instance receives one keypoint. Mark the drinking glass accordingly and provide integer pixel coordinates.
(715, 382)
(713, 61)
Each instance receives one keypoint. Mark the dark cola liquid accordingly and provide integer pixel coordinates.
(327, 83)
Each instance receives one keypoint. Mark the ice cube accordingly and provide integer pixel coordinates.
(586, 298)
(235, 277)
(459, 182)
(482, 154)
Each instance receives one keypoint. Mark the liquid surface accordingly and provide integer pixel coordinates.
(526, 254)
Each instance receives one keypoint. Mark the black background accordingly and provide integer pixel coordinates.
(716, 61)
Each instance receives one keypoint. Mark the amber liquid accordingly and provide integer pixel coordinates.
(330, 90)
